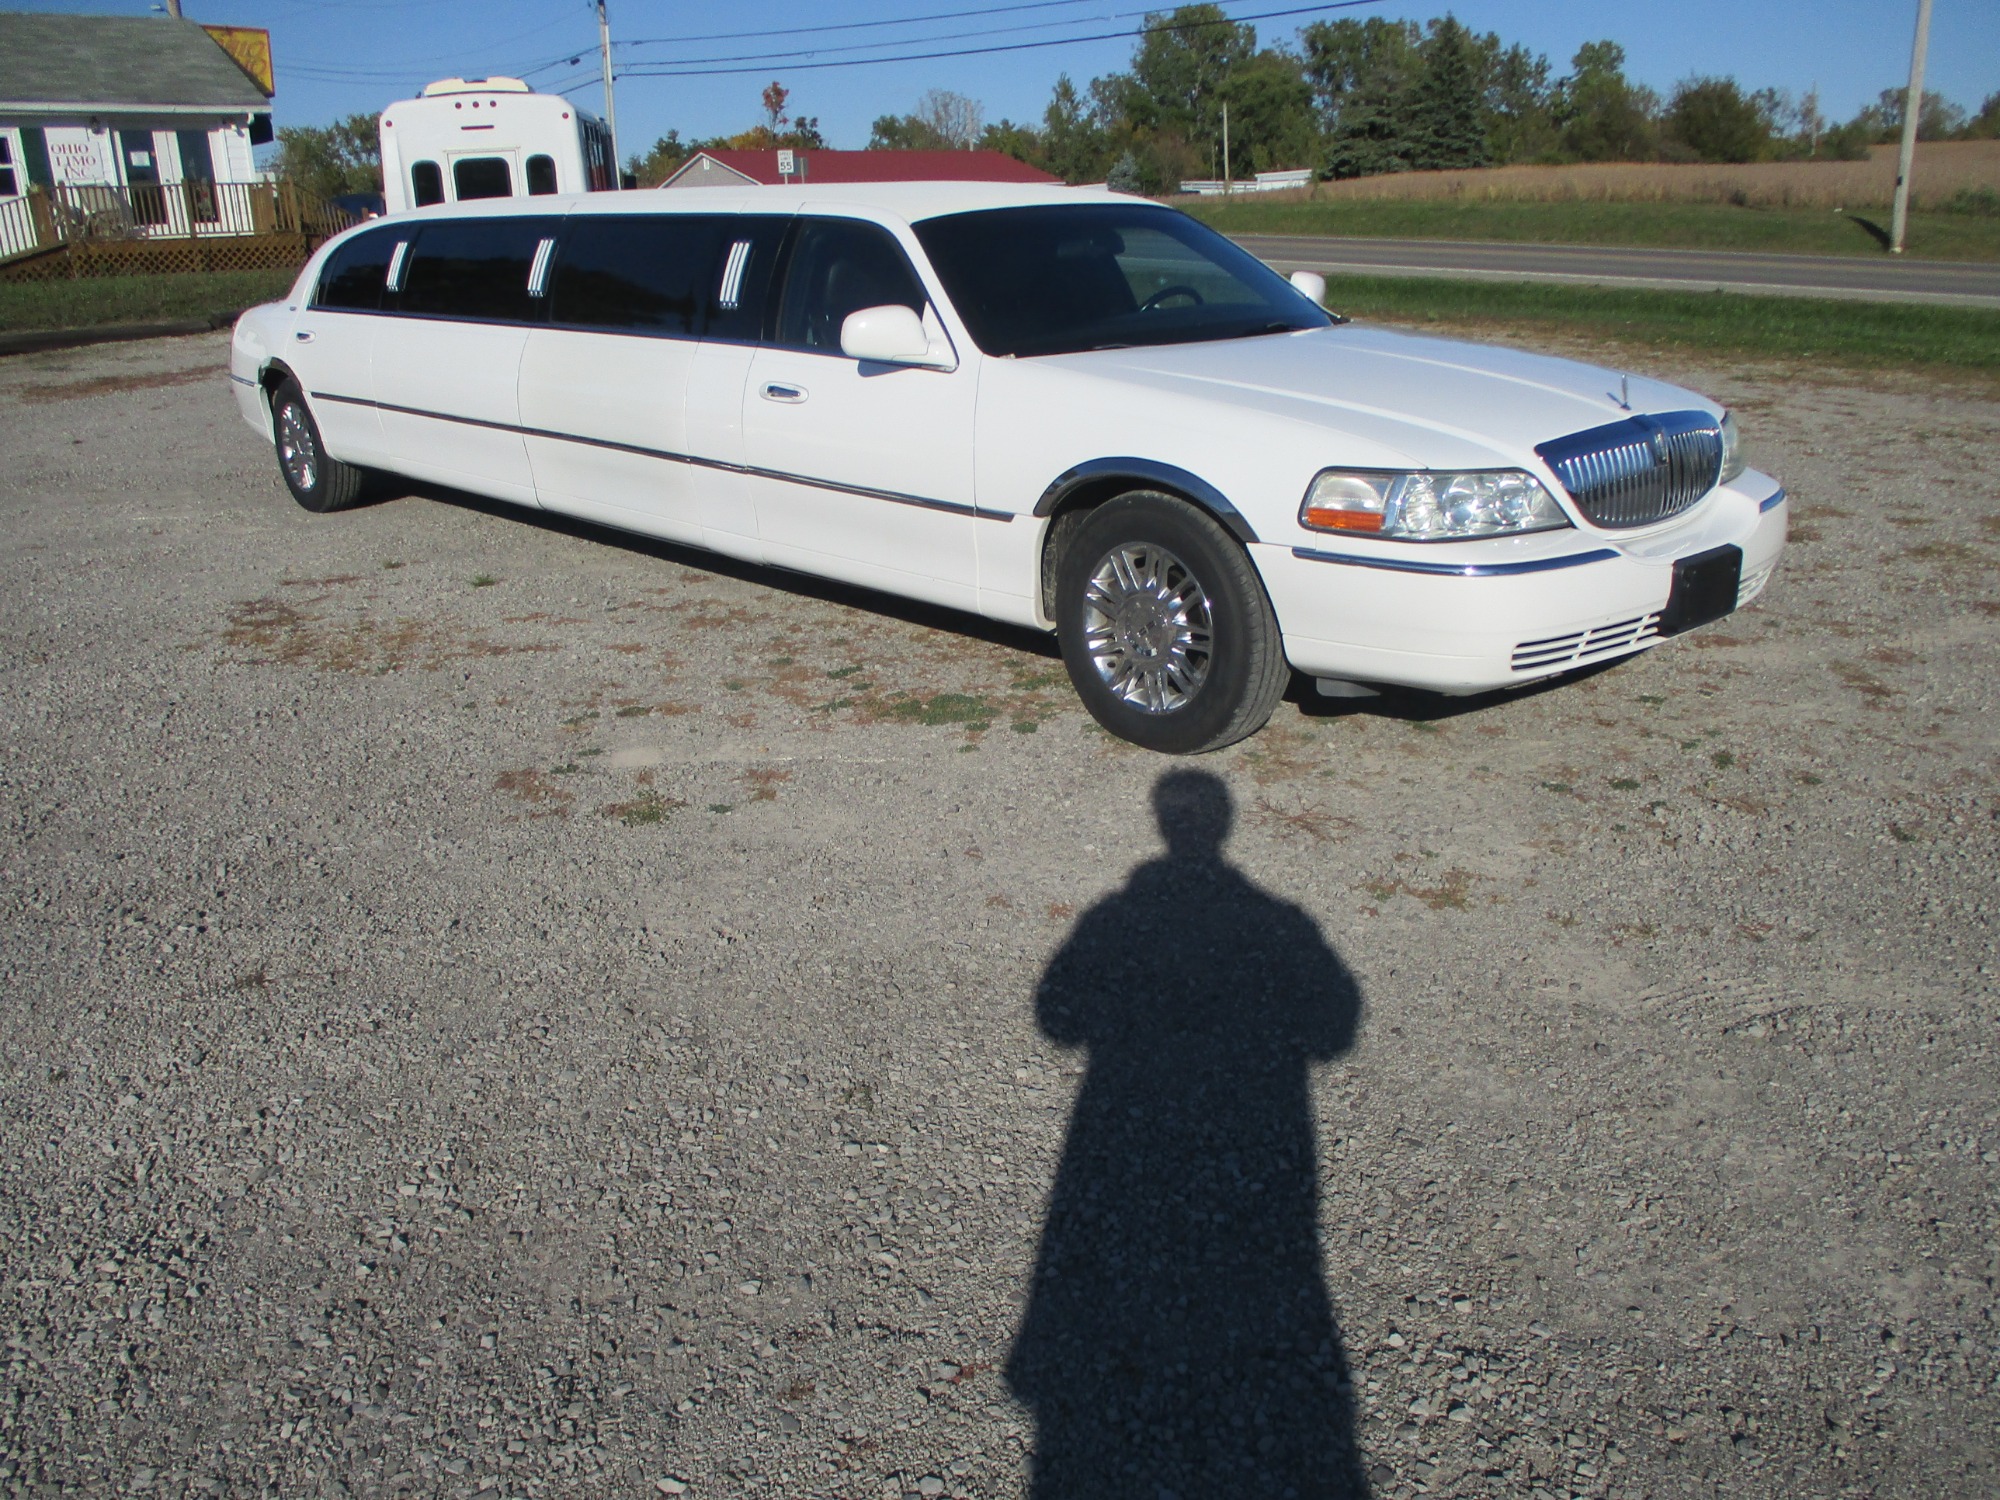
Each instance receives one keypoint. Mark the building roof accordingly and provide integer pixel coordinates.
(122, 64)
(818, 167)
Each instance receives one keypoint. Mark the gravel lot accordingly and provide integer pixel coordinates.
(495, 1008)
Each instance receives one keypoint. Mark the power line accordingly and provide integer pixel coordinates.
(949, 36)
(644, 70)
(944, 15)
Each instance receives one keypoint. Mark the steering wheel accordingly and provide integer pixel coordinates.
(1172, 291)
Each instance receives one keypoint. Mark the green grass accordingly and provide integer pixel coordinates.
(1863, 334)
(1680, 226)
(102, 300)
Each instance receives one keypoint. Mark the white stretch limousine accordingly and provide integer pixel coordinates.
(1060, 408)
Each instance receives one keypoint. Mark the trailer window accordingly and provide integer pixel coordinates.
(541, 176)
(473, 268)
(481, 177)
(426, 184)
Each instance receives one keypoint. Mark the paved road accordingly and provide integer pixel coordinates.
(1858, 279)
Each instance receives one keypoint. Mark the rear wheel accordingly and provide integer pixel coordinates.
(1165, 627)
(317, 482)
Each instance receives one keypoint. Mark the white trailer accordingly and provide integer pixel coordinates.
(490, 138)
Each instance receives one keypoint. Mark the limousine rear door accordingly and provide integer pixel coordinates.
(605, 386)
(448, 356)
(861, 471)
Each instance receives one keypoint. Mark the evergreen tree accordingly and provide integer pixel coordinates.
(1124, 176)
(1447, 117)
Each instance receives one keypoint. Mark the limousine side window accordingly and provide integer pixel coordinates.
(474, 268)
(481, 177)
(353, 275)
(739, 278)
(642, 275)
(840, 266)
(426, 184)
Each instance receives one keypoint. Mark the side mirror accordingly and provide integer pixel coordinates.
(1312, 284)
(891, 335)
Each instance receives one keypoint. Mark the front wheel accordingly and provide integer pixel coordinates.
(1165, 628)
(317, 482)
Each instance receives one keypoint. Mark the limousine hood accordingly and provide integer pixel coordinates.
(1419, 401)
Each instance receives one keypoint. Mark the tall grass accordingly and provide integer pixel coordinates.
(1948, 175)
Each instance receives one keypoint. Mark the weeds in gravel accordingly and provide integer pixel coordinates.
(483, 580)
(648, 807)
(535, 788)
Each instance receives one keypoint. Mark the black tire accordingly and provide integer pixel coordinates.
(317, 482)
(1165, 627)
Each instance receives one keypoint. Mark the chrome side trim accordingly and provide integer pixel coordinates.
(893, 497)
(1456, 570)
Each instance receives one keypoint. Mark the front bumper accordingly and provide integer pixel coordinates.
(1468, 617)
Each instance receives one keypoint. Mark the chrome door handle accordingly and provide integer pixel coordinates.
(303, 335)
(790, 394)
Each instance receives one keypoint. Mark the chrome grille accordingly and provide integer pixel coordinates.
(1640, 470)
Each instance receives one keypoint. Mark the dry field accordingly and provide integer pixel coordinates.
(1943, 170)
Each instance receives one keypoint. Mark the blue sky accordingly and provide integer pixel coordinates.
(340, 57)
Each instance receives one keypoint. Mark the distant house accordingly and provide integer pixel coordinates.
(138, 116)
(739, 168)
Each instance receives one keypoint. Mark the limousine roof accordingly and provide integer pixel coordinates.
(909, 201)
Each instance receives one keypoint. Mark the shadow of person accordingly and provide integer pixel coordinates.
(1178, 1339)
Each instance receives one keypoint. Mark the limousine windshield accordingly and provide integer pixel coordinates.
(1062, 280)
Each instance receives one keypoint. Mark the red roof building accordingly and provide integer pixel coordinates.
(741, 168)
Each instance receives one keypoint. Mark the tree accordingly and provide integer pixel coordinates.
(1447, 128)
(1520, 125)
(660, 162)
(1938, 120)
(1603, 115)
(1985, 125)
(942, 121)
(1074, 139)
(1022, 142)
(344, 157)
(1362, 73)
(903, 133)
(776, 97)
(1808, 123)
(1271, 124)
(1179, 72)
(1124, 175)
(1715, 121)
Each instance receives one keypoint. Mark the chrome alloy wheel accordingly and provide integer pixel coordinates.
(296, 449)
(1147, 627)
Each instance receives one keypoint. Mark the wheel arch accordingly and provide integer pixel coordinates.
(1078, 490)
(273, 375)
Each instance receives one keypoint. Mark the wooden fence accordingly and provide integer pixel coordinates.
(72, 231)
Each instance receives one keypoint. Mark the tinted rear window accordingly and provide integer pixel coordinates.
(647, 275)
(353, 275)
(473, 268)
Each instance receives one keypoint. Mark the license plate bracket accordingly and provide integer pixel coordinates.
(1704, 589)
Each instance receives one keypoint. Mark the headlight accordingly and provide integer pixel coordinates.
(1429, 505)
(1732, 448)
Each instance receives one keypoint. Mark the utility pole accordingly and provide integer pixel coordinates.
(611, 107)
(1913, 108)
(1227, 187)
(174, 10)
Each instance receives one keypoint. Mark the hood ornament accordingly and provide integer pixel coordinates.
(1624, 397)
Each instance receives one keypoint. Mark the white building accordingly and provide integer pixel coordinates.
(143, 119)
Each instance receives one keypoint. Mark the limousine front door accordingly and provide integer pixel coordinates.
(861, 471)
